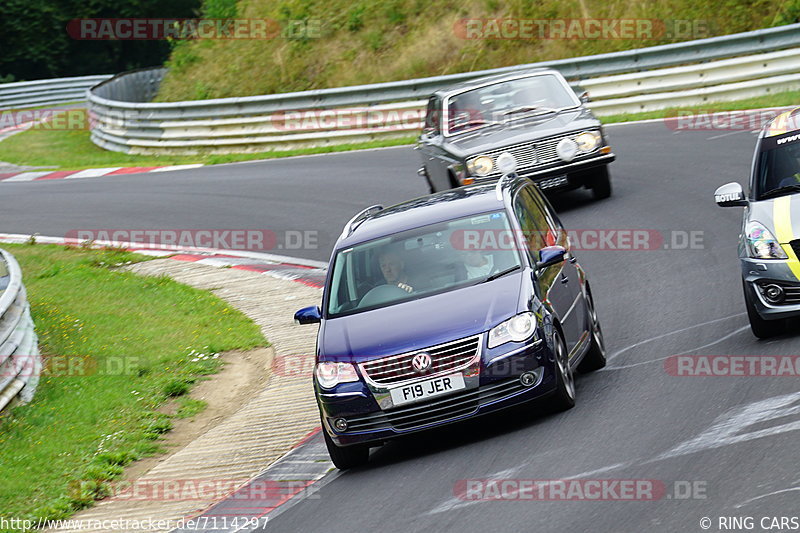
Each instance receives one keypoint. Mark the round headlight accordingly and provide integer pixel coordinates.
(506, 163)
(588, 141)
(567, 149)
(480, 166)
(521, 326)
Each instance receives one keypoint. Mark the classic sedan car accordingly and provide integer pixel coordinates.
(535, 115)
(447, 307)
(769, 244)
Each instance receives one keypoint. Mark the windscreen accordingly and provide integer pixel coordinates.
(507, 100)
(779, 165)
(421, 262)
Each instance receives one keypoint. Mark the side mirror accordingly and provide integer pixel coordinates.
(550, 255)
(584, 97)
(730, 195)
(308, 315)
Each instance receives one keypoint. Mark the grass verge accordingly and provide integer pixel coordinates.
(72, 150)
(117, 347)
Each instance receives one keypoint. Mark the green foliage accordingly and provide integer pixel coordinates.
(36, 44)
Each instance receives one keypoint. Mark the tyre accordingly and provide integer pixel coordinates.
(763, 329)
(346, 457)
(601, 183)
(431, 188)
(595, 358)
(564, 396)
(453, 182)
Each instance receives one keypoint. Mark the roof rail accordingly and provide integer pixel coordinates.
(358, 219)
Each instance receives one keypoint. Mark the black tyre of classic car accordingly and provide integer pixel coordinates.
(601, 183)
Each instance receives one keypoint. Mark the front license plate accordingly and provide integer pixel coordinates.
(427, 389)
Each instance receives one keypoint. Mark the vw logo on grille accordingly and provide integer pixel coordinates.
(421, 362)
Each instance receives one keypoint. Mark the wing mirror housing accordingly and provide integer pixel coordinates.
(730, 195)
(308, 315)
(551, 255)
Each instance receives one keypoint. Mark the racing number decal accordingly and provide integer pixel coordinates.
(782, 215)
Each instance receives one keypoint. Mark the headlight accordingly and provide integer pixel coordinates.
(330, 374)
(761, 244)
(588, 141)
(517, 329)
(480, 166)
(567, 149)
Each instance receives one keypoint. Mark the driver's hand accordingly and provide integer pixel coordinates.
(406, 287)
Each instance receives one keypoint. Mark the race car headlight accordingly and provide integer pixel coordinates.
(761, 244)
(517, 328)
(480, 166)
(588, 141)
(330, 374)
(567, 149)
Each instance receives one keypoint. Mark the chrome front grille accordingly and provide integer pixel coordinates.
(447, 357)
(529, 155)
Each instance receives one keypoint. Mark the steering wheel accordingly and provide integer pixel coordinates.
(382, 294)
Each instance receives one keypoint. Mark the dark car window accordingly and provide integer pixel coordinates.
(432, 116)
(421, 262)
(537, 230)
(779, 167)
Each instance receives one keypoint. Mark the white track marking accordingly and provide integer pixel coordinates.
(726, 337)
(731, 427)
(91, 173)
(646, 341)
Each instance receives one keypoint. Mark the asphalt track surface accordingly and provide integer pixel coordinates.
(735, 437)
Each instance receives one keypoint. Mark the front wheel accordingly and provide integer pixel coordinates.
(601, 183)
(763, 329)
(345, 457)
(564, 396)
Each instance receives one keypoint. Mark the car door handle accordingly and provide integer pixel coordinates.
(564, 278)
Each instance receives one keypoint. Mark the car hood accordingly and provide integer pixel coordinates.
(780, 215)
(520, 131)
(425, 322)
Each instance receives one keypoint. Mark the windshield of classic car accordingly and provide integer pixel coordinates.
(507, 100)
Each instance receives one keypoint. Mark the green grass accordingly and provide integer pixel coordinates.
(147, 340)
(353, 42)
(73, 150)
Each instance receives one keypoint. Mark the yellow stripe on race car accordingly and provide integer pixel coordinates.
(780, 124)
(782, 218)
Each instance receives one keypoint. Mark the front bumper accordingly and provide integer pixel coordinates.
(564, 176)
(497, 386)
(757, 272)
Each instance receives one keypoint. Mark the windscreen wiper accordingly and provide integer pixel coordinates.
(524, 108)
(501, 273)
(780, 191)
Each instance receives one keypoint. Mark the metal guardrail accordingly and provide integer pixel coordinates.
(56, 91)
(126, 121)
(20, 362)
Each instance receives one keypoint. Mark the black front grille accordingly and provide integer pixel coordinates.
(791, 290)
(437, 410)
